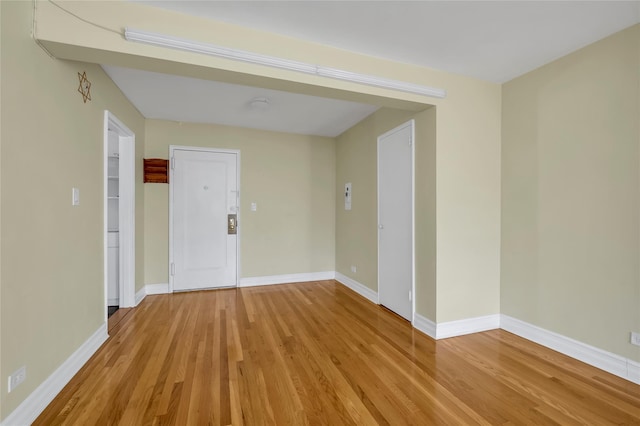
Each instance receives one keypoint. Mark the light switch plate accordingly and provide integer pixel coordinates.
(254, 207)
(75, 196)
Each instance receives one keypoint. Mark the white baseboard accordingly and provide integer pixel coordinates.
(162, 288)
(289, 278)
(35, 403)
(359, 288)
(113, 302)
(148, 289)
(467, 326)
(444, 330)
(425, 325)
(633, 371)
(140, 295)
(607, 361)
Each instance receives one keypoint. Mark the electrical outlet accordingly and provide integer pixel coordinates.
(354, 269)
(635, 338)
(17, 377)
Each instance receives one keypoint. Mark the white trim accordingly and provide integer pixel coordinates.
(162, 288)
(412, 125)
(113, 302)
(633, 372)
(126, 220)
(359, 288)
(42, 396)
(149, 289)
(424, 325)
(467, 326)
(140, 295)
(385, 83)
(445, 330)
(413, 217)
(105, 211)
(172, 149)
(162, 40)
(604, 360)
(289, 278)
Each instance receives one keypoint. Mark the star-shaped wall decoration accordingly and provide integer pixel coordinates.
(85, 87)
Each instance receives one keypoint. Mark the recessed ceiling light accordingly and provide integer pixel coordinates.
(260, 103)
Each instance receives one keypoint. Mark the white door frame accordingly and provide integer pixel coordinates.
(126, 210)
(172, 149)
(410, 123)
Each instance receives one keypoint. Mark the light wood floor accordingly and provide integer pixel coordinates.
(318, 353)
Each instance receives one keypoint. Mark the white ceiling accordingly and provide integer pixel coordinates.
(170, 97)
(490, 40)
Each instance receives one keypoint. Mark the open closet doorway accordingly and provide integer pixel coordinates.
(119, 215)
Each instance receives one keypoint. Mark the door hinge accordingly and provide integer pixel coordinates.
(173, 269)
(173, 163)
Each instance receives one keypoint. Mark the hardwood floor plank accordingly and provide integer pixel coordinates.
(560, 389)
(319, 354)
(114, 320)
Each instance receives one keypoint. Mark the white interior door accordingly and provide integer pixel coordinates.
(204, 194)
(395, 220)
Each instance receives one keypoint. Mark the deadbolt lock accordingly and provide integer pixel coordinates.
(232, 224)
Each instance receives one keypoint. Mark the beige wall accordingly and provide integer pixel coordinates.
(462, 180)
(468, 200)
(356, 229)
(457, 202)
(468, 121)
(52, 289)
(425, 213)
(290, 177)
(59, 31)
(566, 257)
(570, 195)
